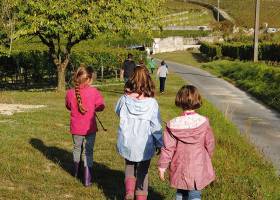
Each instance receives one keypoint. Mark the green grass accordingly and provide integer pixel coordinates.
(35, 149)
(191, 15)
(175, 6)
(243, 11)
(259, 79)
(183, 33)
(190, 57)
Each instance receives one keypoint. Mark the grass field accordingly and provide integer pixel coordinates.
(243, 11)
(190, 57)
(35, 149)
(186, 14)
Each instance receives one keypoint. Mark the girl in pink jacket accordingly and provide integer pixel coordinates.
(188, 148)
(83, 101)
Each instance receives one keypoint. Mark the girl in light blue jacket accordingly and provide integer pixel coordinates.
(139, 132)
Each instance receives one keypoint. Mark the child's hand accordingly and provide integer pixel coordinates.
(158, 150)
(161, 173)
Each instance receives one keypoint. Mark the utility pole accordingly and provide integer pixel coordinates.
(256, 35)
(218, 15)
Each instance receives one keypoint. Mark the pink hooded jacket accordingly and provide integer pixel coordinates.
(187, 151)
(92, 101)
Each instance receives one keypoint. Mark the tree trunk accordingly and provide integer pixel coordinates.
(10, 49)
(60, 78)
(61, 68)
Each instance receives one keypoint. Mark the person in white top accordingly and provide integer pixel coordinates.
(162, 73)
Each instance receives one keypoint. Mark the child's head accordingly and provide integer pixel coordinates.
(141, 82)
(130, 56)
(83, 75)
(188, 98)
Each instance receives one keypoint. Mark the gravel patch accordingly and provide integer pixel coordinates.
(10, 109)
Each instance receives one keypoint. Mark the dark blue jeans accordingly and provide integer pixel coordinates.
(188, 195)
(162, 83)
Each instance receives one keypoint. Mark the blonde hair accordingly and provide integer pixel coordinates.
(141, 82)
(81, 76)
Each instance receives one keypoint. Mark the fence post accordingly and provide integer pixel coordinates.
(102, 72)
(116, 73)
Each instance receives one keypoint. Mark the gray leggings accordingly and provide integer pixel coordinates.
(83, 142)
(139, 170)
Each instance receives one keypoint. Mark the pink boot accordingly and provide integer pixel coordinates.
(129, 188)
(141, 197)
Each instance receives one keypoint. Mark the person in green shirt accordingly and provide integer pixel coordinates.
(151, 65)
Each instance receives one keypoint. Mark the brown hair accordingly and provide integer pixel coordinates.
(188, 98)
(81, 76)
(140, 82)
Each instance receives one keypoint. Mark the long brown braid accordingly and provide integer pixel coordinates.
(82, 75)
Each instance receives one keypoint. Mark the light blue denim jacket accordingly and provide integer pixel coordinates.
(139, 131)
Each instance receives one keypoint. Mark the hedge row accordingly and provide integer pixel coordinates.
(35, 66)
(182, 33)
(241, 51)
(261, 80)
(212, 51)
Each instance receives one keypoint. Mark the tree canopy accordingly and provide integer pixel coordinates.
(62, 24)
(8, 19)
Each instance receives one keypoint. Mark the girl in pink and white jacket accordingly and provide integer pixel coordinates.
(188, 148)
(83, 102)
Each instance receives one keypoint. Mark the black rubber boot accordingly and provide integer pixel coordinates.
(76, 169)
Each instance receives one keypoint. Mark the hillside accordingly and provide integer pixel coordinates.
(243, 11)
(186, 14)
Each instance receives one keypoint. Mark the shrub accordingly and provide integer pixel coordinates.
(35, 66)
(269, 51)
(212, 51)
(261, 80)
(244, 51)
(229, 50)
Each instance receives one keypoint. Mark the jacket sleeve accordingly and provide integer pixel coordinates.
(68, 101)
(99, 102)
(167, 151)
(158, 71)
(119, 106)
(156, 128)
(209, 141)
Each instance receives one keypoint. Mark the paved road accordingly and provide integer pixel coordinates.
(262, 123)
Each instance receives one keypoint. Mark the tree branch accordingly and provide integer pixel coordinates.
(71, 43)
(51, 46)
(43, 39)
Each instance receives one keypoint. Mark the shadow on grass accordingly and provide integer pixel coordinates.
(111, 91)
(24, 87)
(109, 180)
(199, 57)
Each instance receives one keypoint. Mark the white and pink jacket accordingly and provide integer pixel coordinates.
(187, 151)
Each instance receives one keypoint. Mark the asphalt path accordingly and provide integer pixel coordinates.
(250, 115)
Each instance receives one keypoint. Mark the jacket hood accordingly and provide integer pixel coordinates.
(140, 108)
(188, 135)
